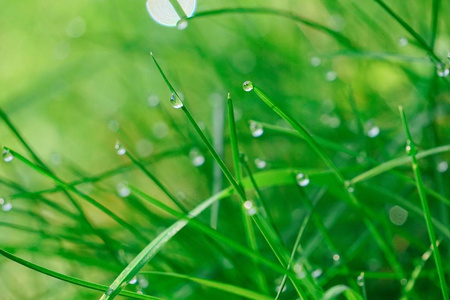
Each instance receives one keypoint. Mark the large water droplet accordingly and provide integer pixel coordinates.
(165, 14)
(247, 86)
(119, 148)
(175, 101)
(7, 155)
(182, 24)
(302, 179)
(6, 206)
(196, 157)
(442, 69)
(256, 129)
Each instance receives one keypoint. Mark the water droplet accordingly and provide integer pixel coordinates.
(133, 280)
(123, 190)
(410, 149)
(336, 257)
(398, 215)
(349, 186)
(403, 281)
(119, 148)
(426, 255)
(256, 129)
(196, 157)
(330, 120)
(175, 101)
(403, 42)
(330, 76)
(165, 14)
(247, 86)
(251, 209)
(260, 164)
(360, 279)
(7, 155)
(182, 24)
(302, 179)
(277, 289)
(153, 101)
(442, 69)
(315, 61)
(6, 206)
(442, 167)
(373, 132)
(316, 273)
(143, 282)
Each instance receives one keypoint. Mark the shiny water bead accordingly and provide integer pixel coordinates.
(5, 205)
(196, 157)
(251, 209)
(373, 132)
(166, 14)
(119, 148)
(247, 86)
(7, 155)
(256, 129)
(123, 190)
(302, 179)
(182, 24)
(349, 186)
(442, 167)
(398, 215)
(175, 101)
(442, 69)
(260, 164)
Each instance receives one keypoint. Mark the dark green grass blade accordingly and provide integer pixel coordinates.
(411, 150)
(264, 227)
(70, 279)
(229, 288)
(92, 201)
(248, 226)
(337, 174)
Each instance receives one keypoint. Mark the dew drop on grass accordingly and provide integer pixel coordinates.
(442, 69)
(123, 190)
(336, 257)
(196, 157)
(373, 132)
(248, 205)
(316, 273)
(349, 186)
(330, 76)
(133, 280)
(6, 206)
(256, 129)
(409, 148)
(442, 167)
(7, 155)
(360, 279)
(302, 179)
(175, 101)
(165, 14)
(260, 164)
(182, 24)
(403, 281)
(119, 148)
(247, 86)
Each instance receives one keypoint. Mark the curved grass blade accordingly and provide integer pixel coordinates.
(269, 11)
(338, 290)
(339, 177)
(411, 150)
(229, 288)
(70, 279)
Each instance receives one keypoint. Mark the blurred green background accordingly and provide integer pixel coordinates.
(76, 76)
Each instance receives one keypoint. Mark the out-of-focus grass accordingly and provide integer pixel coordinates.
(77, 76)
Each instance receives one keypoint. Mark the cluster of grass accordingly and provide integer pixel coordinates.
(286, 150)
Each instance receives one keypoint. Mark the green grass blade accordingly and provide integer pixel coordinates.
(411, 150)
(229, 288)
(70, 279)
(337, 174)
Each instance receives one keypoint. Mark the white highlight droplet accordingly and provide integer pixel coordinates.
(165, 14)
